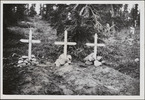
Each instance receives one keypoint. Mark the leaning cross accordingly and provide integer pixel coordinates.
(30, 41)
(95, 46)
(65, 43)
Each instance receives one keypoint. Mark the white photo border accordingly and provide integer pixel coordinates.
(142, 44)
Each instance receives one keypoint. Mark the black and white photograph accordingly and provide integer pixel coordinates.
(72, 48)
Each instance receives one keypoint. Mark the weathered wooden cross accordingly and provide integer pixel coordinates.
(65, 43)
(30, 41)
(95, 44)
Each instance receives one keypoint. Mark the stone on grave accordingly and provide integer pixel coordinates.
(69, 59)
(59, 62)
(33, 56)
(136, 60)
(20, 61)
(23, 61)
(90, 57)
(103, 62)
(97, 63)
(24, 57)
(88, 63)
(34, 59)
(63, 61)
(99, 58)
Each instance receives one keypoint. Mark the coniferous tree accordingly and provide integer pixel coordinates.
(32, 10)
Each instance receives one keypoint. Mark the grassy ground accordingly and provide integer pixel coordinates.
(118, 54)
(121, 55)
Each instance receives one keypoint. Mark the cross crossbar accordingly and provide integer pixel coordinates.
(27, 41)
(91, 44)
(62, 43)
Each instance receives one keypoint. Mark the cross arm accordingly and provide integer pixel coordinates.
(101, 45)
(24, 40)
(91, 44)
(59, 43)
(33, 41)
(62, 43)
(71, 43)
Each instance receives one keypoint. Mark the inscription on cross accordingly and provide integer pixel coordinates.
(30, 41)
(95, 44)
(65, 43)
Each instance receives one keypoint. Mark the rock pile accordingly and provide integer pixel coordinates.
(24, 61)
(90, 60)
(63, 61)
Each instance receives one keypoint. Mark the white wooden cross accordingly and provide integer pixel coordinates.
(30, 41)
(65, 43)
(95, 44)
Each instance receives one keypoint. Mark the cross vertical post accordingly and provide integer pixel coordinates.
(65, 44)
(30, 44)
(95, 47)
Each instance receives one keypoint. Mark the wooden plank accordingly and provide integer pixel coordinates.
(65, 44)
(24, 40)
(91, 44)
(30, 45)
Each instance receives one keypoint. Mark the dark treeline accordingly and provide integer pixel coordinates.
(12, 13)
(81, 20)
(62, 16)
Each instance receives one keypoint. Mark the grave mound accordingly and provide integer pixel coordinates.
(75, 79)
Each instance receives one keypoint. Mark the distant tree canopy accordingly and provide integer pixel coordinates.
(12, 13)
(32, 11)
(81, 20)
(84, 20)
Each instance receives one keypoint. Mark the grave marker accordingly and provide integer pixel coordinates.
(65, 43)
(95, 44)
(30, 41)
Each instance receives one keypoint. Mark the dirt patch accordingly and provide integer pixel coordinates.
(76, 80)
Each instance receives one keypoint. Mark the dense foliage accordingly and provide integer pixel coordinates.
(86, 20)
